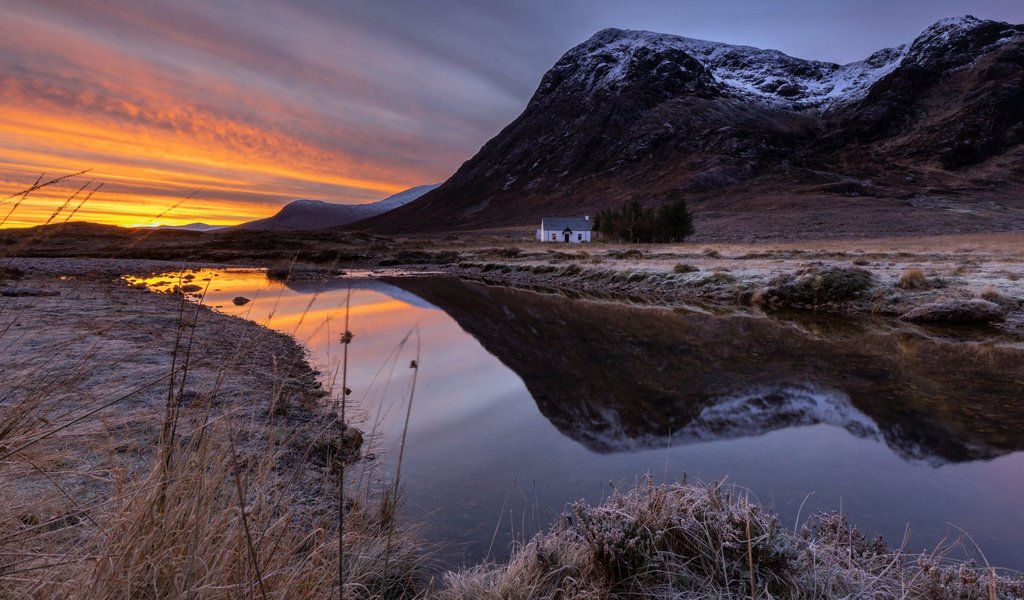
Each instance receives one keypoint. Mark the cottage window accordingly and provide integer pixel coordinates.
(553, 237)
(579, 237)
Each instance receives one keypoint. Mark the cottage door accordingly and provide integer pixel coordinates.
(567, 235)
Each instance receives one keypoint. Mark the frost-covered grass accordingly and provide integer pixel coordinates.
(709, 541)
(192, 460)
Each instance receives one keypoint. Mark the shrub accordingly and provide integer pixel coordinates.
(913, 279)
(510, 252)
(684, 268)
(831, 284)
(991, 294)
(718, 278)
(631, 253)
(10, 273)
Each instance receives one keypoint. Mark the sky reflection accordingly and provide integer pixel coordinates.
(487, 460)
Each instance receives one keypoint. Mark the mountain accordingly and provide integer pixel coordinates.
(193, 227)
(911, 137)
(315, 214)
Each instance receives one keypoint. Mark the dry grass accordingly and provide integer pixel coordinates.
(119, 480)
(913, 279)
(696, 541)
(202, 500)
(991, 294)
(223, 501)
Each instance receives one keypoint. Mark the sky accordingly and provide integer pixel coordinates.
(224, 110)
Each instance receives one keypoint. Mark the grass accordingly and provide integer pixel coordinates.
(420, 257)
(818, 286)
(186, 467)
(991, 294)
(207, 500)
(230, 502)
(718, 278)
(682, 540)
(913, 279)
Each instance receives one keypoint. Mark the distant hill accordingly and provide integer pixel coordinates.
(314, 214)
(193, 227)
(926, 137)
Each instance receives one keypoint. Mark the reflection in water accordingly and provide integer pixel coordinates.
(618, 378)
(528, 401)
(760, 410)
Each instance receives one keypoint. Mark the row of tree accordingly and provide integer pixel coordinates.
(671, 222)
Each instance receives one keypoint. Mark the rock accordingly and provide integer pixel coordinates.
(351, 440)
(20, 292)
(336, 450)
(241, 301)
(956, 312)
(189, 289)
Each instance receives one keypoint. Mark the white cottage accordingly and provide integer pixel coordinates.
(573, 230)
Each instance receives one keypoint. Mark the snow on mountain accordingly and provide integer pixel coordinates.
(402, 198)
(766, 75)
(635, 115)
(743, 414)
(316, 214)
(947, 34)
(760, 410)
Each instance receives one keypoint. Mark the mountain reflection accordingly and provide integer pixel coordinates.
(618, 378)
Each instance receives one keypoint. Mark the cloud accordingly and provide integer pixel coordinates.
(258, 102)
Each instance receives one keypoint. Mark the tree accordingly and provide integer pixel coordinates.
(676, 218)
(671, 222)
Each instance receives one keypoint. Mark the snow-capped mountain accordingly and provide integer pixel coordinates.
(636, 115)
(316, 214)
(742, 414)
(612, 56)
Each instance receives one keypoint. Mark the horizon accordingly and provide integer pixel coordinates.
(190, 112)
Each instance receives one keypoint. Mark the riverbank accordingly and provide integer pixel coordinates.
(973, 278)
(651, 542)
(151, 446)
(952, 280)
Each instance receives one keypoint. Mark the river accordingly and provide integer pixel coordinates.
(528, 401)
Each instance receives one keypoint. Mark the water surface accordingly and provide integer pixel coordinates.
(526, 402)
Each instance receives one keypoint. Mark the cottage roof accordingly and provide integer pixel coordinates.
(560, 224)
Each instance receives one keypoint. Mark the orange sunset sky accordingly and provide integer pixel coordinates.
(245, 106)
(227, 109)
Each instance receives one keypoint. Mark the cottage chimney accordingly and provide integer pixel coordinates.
(586, 217)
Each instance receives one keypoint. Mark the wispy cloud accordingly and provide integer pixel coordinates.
(258, 102)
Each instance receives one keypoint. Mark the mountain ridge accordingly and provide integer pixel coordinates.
(304, 215)
(630, 115)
